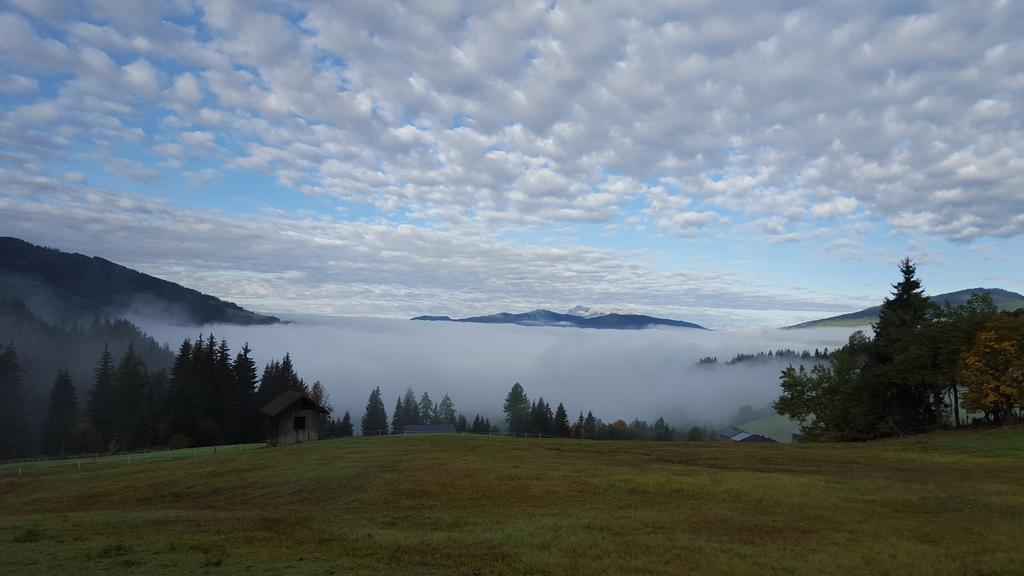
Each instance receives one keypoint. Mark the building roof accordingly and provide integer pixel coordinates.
(287, 399)
(429, 428)
(729, 432)
(776, 427)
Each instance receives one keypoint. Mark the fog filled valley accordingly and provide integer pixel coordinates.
(616, 374)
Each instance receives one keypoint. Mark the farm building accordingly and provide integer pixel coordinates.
(774, 428)
(294, 417)
(734, 434)
(430, 429)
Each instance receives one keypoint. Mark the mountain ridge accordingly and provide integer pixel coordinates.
(1003, 299)
(543, 317)
(70, 285)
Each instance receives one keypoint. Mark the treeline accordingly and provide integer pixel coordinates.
(926, 367)
(523, 417)
(770, 355)
(209, 396)
(36, 349)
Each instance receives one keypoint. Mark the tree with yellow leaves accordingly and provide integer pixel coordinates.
(993, 371)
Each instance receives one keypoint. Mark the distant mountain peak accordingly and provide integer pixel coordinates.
(542, 317)
(593, 312)
(1003, 299)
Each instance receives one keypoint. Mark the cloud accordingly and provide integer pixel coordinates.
(382, 269)
(616, 374)
(743, 126)
(130, 169)
(15, 84)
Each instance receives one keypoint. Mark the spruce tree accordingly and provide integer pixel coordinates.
(517, 409)
(446, 411)
(426, 409)
(62, 417)
(13, 438)
(461, 424)
(398, 418)
(103, 398)
(246, 383)
(590, 426)
(411, 409)
(375, 419)
(131, 386)
(345, 428)
(562, 429)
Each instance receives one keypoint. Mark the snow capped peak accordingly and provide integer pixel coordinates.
(592, 312)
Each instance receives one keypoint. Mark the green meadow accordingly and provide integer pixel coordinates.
(946, 503)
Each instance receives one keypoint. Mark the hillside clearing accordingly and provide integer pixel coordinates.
(948, 503)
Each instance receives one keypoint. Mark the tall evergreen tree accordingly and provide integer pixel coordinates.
(411, 407)
(446, 411)
(103, 398)
(901, 393)
(13, 438)
(562, 428)
(662, 431)
(398, 418)
(131, 386)
(426, 409)
(517, 409)
(345, 428)
(590, 426)
(60, 433)
(246, 426)
(375, 419)
(182, 406)
(461, 424)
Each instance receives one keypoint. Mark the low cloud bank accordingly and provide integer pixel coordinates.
(617, 374)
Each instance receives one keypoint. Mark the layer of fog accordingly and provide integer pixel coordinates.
(617, 374)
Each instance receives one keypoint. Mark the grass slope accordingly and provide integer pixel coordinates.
(943, 504)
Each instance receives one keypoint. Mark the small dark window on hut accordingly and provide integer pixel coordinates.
(300, 422)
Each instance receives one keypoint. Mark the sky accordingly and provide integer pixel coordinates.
(734, 164)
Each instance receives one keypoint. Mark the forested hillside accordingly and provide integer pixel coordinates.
(59, 286)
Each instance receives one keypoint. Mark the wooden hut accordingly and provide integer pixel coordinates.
(293, 417)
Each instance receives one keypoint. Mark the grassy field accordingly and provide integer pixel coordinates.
(950, 503)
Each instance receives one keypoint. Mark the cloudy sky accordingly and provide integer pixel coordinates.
(734, 164)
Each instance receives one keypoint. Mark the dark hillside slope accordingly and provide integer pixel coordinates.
(62, 285)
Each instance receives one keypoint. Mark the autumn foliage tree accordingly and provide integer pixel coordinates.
(993, 372)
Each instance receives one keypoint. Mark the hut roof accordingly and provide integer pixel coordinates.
(286, 399)
(430, 429)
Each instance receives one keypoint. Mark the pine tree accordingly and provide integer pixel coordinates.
(246, 383)
(398, 418)
(13, 439)
(130, 386)
(411, 407)
(319, 395)
(900, 384)
(590, 426)
(461, 424)
(562, 429)
(446, 411)
(517, 410)
(375, 420)
(103, 398)
(345, 428)
(662, 431)
(182, 407)
(426, 409)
